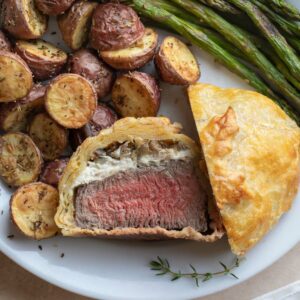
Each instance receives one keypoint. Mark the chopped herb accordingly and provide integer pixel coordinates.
(40, 247)
(62, 255)
(2, 212)
(53, 32)
(11, 236)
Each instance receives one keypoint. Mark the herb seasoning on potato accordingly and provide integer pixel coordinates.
(15, 77)
(71, 100)
(50, 137)
(135, 56)
(20, 159)
(137, 95)
(33, 207)
(15, 116)
(22, 19)
(75, 24)
(44, 59)
(5, 44)
(175, 63)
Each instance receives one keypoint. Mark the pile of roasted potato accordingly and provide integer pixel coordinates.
(50, 100)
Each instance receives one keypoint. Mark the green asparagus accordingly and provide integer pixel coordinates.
(236, 37)
(294, 41)
(287, 26)
(200, 39)
(284, 8)
(221, 5)
(278, 42)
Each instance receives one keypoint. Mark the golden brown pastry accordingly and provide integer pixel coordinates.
(251, 148)
(138, 179)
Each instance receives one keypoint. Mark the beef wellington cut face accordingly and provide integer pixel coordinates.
(139, 179)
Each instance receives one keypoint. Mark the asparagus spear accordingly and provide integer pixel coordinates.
(236, 37)
(284, 8)
(287, 26)
(278, 42)
(294, 41)
(221, 5)
(200, 39)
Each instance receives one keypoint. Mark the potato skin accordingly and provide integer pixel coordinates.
(130, 58)
(32, 210)
(164, 66)
(20, 159)
(108, 31)
(14, 116)
(5, 44)
(14, 20)
(69, 24)
(15, 82)
(50, 138)
(103, 117)
(85, 63)
(136, 94)
(71, 100)
(53, 171)
(53, 7)
(42, 66)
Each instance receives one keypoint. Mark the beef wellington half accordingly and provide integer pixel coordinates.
(140, 178)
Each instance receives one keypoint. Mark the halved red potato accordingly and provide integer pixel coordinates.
(103, 117)
(85, 63)
(50, 137)
(75, 24)
(135, 56)
(5, 44)
(53, 7)
(15, 77)
(14, 116)
(175, 63)
(44, 59)
(71, 100)
(33, 207)
(115, 26)
(137, 95)
(53, 171)
(20, 159)
(22, 19)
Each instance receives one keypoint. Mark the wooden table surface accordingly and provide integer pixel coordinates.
(16, 283)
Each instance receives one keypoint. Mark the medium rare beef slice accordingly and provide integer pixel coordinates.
(168, 196)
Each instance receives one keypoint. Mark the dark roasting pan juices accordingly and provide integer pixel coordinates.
(138, 179)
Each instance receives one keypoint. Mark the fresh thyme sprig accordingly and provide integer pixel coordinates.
(162, 267)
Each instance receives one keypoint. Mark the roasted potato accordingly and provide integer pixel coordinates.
(53, 171)
(15, 77)
(85, 63)
(134, 57)
(115, 26)
(22, 20)
(14, 116)
(103, 117)
(5, 44)
(53, 7)
(33, 207)
(44, 59)
(75, 24)
(175, 63)
(71, 100)
(50, 137)
(20, 159)
(137, 95)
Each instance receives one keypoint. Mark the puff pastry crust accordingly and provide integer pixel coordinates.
(123, 130)
(251, 148)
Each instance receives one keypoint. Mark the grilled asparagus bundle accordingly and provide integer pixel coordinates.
(268, 60)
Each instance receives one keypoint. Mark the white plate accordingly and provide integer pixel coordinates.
(119, 269)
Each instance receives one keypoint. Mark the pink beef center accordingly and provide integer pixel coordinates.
(167, 196)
